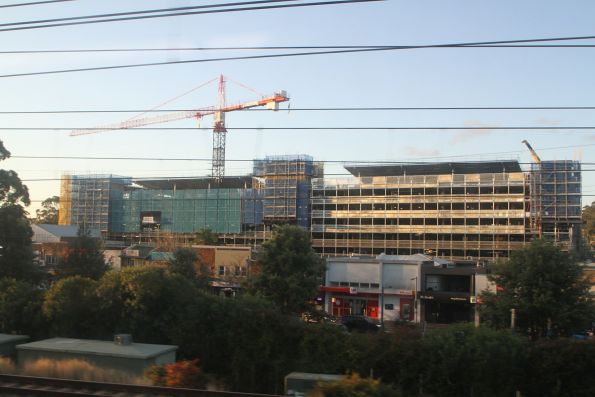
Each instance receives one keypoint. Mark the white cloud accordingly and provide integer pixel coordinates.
(416, 151)
(548, 122)
(469, 134)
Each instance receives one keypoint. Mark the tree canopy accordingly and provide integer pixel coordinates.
(16, 254)
(85, 258)
(206, 237)
(48, 213)
(12, 190)
(589, 224)
(290, 270)
(183, 263)
(544, 285)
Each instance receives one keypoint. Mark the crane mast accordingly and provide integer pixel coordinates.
(219, 130)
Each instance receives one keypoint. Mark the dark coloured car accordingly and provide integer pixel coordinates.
(359, 324)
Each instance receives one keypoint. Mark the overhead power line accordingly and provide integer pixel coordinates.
(141, 12)
(303, 47)
(377, 162)
(42, 24)
(33, 3)
(294, 54)
(309, 109)
(372, 128)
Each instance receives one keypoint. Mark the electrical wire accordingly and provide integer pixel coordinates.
(308, 109)
(370, 128)
(153, 11)
(326, 47)
(33, 3)
(285, 55)
(246, 160)
(39, 24)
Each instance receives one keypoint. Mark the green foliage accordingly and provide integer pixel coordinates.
(20, 308)
(542, 283)
(355, 386)
(16, 254)
(290, 271)
(48, 214)
(70, 307)
(147, 302)
(183, 263)
(85, 258)
(589, 224)
(12, 190)
(206, 237)
(562, 368)
(463, 360)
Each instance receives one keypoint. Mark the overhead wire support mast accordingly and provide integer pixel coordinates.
(219, 130)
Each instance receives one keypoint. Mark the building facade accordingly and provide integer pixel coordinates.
(449, 210)
(455, 210)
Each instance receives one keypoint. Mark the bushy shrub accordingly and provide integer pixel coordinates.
(184, 373)
(355, 386)
(562, 367)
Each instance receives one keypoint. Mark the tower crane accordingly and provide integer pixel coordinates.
(270, 102)
(534, 155)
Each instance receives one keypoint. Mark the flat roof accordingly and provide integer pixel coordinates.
(7, 338)
(467, 167)
(228, 182)
(98, 347)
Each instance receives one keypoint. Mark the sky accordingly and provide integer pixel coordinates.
(438, 77)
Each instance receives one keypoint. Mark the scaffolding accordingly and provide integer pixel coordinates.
(286, 185)
(556, 201)
(457, 216)
(86, 200)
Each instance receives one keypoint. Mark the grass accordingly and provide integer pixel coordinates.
(78, 370)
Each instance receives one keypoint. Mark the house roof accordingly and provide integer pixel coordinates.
(59, 231)
(7, 338)
(98, 347)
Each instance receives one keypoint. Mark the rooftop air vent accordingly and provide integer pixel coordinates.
(123, 339)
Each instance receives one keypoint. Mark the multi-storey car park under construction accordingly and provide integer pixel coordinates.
(464, 210)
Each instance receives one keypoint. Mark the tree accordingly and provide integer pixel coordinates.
(85, 258)
(546, 288)
(70, 307)
(183, 263)
(206, 237)
(589, 224)
(48, 213)
(20, 307)
(16, 254)
(493, 361)
(12, 190)
(290, 270)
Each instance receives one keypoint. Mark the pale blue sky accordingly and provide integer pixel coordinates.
(422, 77)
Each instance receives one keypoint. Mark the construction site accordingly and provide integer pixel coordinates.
(456, 210)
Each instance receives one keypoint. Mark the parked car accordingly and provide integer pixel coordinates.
(359, 324)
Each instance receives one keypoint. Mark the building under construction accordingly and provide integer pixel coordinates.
(240, 209)
(463, 210)
(556, 200)
(451, 210)
(286, 186)
(88, 200)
